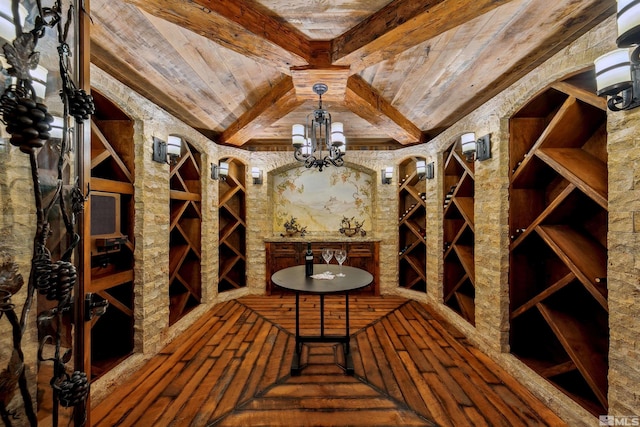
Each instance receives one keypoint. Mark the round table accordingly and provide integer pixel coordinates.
(294, 279)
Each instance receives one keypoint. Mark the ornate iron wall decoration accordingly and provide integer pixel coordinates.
(28, 122)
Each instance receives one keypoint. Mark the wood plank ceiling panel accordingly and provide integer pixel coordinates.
(324, 19)
(209, 82)
(400, 69)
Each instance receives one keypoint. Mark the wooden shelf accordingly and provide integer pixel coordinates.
(458, 234)
(558, 222)
(411, 228)
(585, 171)
(577, 340)
(185, 229)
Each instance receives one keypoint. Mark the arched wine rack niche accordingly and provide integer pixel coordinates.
(185, 282)
(459, 233)
(232, 228)
(412, 224)
(558, 253)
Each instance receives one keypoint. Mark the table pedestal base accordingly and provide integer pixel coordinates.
(344, 340)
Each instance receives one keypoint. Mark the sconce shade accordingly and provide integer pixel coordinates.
(387, 175)
(388, 172)
(613, 72)
(628, 23)
(7, 29)
(224, 169)
(421, 167)
(57, 127)
(174, 146)
(468, 143)
(256, 174)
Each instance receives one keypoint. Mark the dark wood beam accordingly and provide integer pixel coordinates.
(401, 25)
(237, 25)
(276, 104)
(364, 101)
(564, 35)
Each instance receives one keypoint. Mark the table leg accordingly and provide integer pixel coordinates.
(348, 360)
(322, 315)
(295, 362)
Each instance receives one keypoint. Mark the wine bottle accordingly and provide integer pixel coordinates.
(308, 261)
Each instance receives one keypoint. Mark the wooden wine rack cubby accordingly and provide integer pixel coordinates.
(459, 233)
(112, 171)
(412, 220)
(232, 226)
(558, 253)
(185, 283)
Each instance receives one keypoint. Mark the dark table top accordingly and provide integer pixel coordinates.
(293, 278)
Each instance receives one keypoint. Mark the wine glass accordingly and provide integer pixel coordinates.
(327, 254)
(341, 256)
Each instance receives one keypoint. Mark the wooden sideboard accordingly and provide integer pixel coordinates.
(360, 254)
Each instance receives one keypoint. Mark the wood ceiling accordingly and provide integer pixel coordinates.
(399, 72)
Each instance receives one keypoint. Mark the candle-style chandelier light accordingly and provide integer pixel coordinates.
(317, 135)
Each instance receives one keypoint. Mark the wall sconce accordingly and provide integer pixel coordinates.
(424, 170)
(256, 174)
(171, 149)
(4, 145)
(387, 174)
(618, 72)
(220, 172)
(481, 147)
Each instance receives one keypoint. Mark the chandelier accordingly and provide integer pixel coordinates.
(319, 134)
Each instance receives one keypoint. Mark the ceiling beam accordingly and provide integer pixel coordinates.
(279, 102)
(401, 25)
(237, 25)
(364, 101)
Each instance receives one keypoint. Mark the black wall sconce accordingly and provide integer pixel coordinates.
(424, 169)
(471, 146)
(618, 72)
(167, 152)
(256, 174)
(220, 172)
(387, 174)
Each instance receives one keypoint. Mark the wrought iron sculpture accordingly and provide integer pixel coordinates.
(28, 122)
(351, 230)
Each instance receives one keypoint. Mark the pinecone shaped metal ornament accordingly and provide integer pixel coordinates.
(27, 121)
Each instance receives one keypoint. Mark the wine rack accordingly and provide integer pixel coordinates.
(459, 233)
(112, 171)
(558, 251)
(232, 226)
(185, 283)
(412, 222)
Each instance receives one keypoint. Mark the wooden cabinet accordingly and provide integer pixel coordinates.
(185, 284)
(362, 255)
(459, 233)
(412, 252)
(232, 226)
(558, 254)
(112, 172)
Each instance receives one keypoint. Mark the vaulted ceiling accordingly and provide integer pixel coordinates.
(399, 72)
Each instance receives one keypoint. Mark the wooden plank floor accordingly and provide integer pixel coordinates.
(231, 368)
